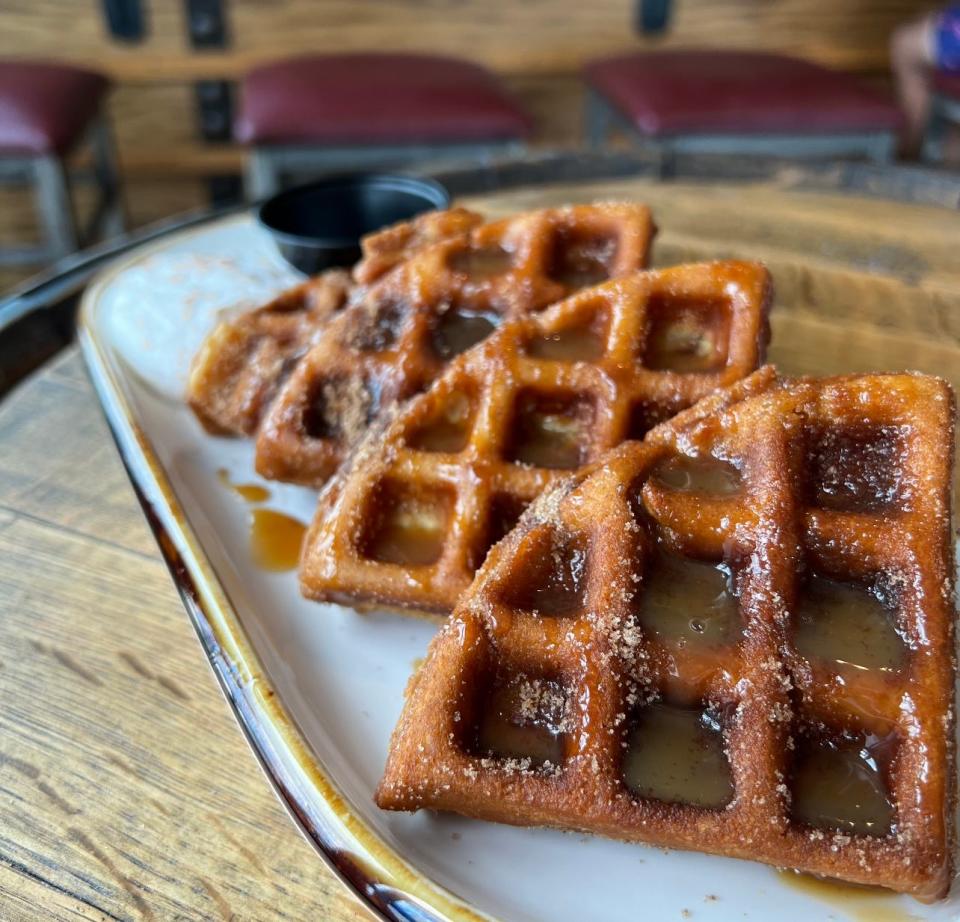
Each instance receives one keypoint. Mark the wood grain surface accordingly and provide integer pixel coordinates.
(126, 790)
(536, 36)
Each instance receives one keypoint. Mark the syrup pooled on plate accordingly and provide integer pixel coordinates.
(275, 539)
(251, 492)
(846, 624)
(676, 755)
(839, 785)
(862, 904)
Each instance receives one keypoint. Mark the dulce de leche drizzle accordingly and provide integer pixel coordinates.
(862, 904)
(251, 492)
(275, 537)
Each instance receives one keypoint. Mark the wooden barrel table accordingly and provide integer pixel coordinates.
(126, 790)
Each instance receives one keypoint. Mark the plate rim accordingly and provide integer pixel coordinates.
(363, 860)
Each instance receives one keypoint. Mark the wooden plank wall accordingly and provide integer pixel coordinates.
(539, 45)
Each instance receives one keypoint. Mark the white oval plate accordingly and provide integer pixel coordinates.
(317, 688)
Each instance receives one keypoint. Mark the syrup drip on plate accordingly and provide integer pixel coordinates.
(275, 540)
(275, 537)
(863, 904)
(251, 492)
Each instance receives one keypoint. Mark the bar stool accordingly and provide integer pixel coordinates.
(737, 102)
(46, 111)
(348, 111)
(944, 112)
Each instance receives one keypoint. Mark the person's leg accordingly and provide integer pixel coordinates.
(912, 54)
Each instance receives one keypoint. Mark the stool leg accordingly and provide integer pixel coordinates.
(881, 150)
(54, 206)
(597, 118)
(262, 178)
(108, 178)
(932, 148)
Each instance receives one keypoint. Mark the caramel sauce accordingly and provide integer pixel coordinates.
(581, 262)
(449, 430)
(697, 475)
(251, 492)
(862, 904)
(549, 432)
(839, 786)
(857, 468)
(275, 540)
(457, 330)
(410, 531)
(688, 603)
(481, 263)
(523, 719)
(848, 625)
(578, 344)
(676, 755)
(684, 337)
(682, 347)
(557, 585)
(505, 512)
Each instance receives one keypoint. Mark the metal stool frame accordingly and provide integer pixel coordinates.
(50, 178)
(602, 119)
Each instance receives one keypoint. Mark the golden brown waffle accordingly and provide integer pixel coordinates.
(447, 297)
(735, 636)
(396, 244)
(244, 361)
(407, 521)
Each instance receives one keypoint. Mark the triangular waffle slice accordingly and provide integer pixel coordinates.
(246, 358)
(407, 521)
(432, 307)
(393, 245)
(735, 637)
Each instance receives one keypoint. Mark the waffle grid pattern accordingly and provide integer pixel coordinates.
(385, 347)
(766, 695)
(245, 359)
(609, 397)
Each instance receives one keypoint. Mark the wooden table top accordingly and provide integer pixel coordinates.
(126, 790)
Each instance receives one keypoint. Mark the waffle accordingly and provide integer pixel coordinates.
(244, 361)
(397, 339)
(735, 637)
(407, 521)
(396, 244)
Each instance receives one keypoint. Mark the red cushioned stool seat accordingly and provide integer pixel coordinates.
(44, 108)
(348, 99)
(947, 84)
(672, 93)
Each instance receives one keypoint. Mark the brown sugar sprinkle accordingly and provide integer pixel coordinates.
(389, 335)
(775, 717)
